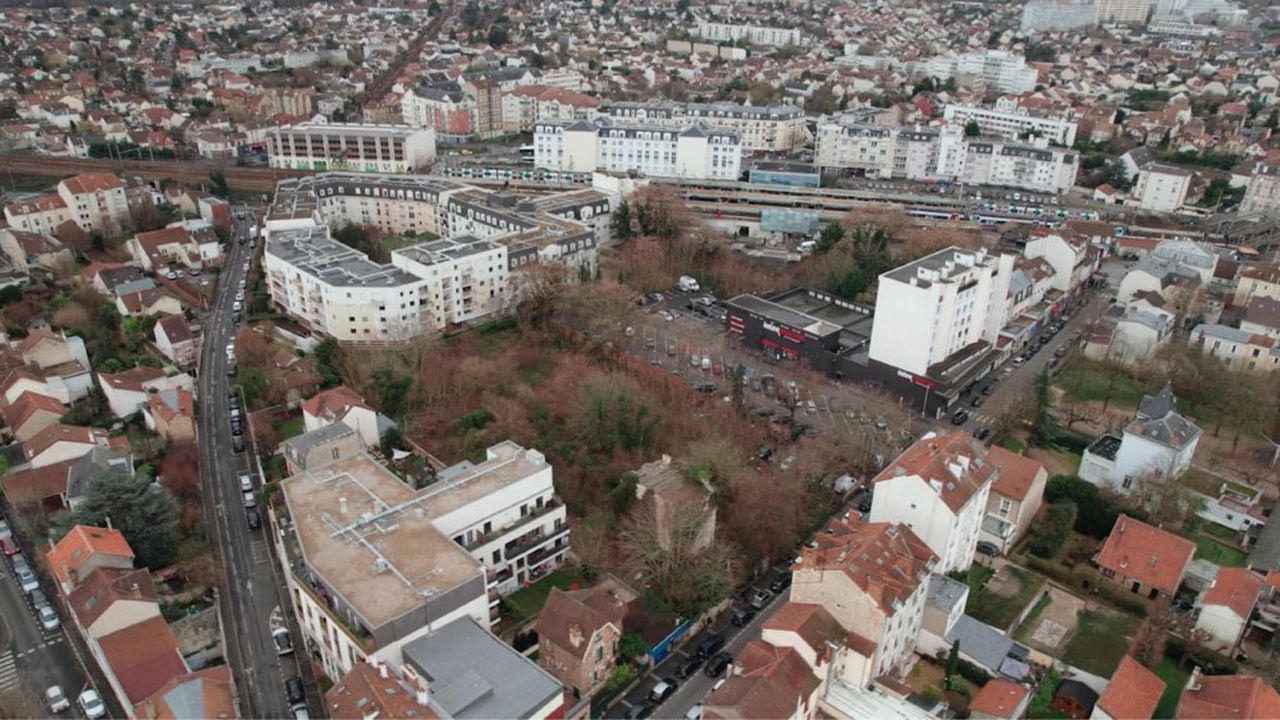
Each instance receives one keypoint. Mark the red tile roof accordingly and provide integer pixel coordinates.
(933, 459)
(811, 622)
(1235, 588)
(82, 543)
(176, 328)
(1133, 691)
(58, 433)
(1228, 697)
(143, 657)
(1016, 472)
(1152, 556)
(28, 404)
(767, 682)
(37, 484)
(103, 586)
(364, 692)
(998, 698)
(566, 611)
(91, 182)
(333, 404)
(887, 561)
(216, 698)
(132, 378)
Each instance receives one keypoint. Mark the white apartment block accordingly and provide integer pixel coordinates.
(353, 147)
(474, 272)
(1123, 12)
(939, 488)
(1162, 188)
(1263, 193)
(753, 34)
(771, 128)
(888, 152)
(527, 105)
(1012, 124)
(1237, 348)
(929, 309)
(993, 70)
(696, 152)
(97, 202)
(873, 579)
(1047, 15)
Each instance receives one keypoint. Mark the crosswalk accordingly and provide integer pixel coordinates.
(980, 419)
(258, 549)
(8, 671)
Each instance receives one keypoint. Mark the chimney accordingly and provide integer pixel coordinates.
(342, 505)
(1193, 684)
(424, 698)
(575, 635)
(666, 459)
(382, 670)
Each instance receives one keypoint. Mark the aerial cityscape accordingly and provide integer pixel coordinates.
(474, 360)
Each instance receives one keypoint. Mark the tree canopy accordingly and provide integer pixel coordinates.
(140, 509)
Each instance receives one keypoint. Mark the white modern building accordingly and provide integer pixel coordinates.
(1012, 123)
(873, 579)
(1159, 442)
(939, 488)
(1123, 12)
(993, 70)
(764, 128)
(1263, 192)
(696, 152)
(373, 564)
(930, 309)
(1227, 606)
(753, 34)
(1160, 187)
(1071, 262)
(1237, 348)
(96, 202)
(888, 152)
(354, 147)
(1058, 15)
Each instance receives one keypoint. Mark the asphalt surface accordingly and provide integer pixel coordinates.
(32, 658)
(254, 589)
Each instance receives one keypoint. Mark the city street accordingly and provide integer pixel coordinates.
(32, 658)
(253, 587)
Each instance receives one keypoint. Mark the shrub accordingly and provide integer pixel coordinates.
(972, 673)
(1095, 514)
(1048, 536)
(1210, 661)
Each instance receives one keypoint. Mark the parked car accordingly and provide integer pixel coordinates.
(690, 666)
(9, 546)
(237, 443)
(662, 690)
(282, 640)
(38, 599)
(26, 579)
(246, 482)
(4, 530)
(709, 646)
(252, 518)
(91, 704)
(718, 664)
(300, 712)
(642, 709)
(742, 616)
(249, 499)
(987, 548)
(782, 582)
(694, 713)
(49, 618)
(293, 690)
(959, 418)
(759, 598)
(56, 699)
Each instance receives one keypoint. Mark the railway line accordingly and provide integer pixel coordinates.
(248, 179)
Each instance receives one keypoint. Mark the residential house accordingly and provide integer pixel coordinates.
(180, 245)
(175, 340)
(207, 693)
(766, 681)
(96, 202)
(1215, 697)
(578, 636)
(126, 391)
(847, 575)
(679, 503)
(28, 251)
(109, 599)
(1071, 260)
(1161, 188)
(1131, 335)
(1143, 559)
(60, 442)
(82, 550)
(938, 487)
(1235, 506)
(171, 414)
(318, 448)
(62, 360)
(106, 277)
(145, 301)
(139, 659)
(116, 457)
(43, 487)
(344, 405)
(1132, 693)
(1158, 443)
(1000, 699)
(1016, 496)
(1074, 699)
(1236, 348)
(376, 691)
(31, 413)
(1227, 606)
(1262, 317)
(1257, 279)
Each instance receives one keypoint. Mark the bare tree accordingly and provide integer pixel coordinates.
(669, 562)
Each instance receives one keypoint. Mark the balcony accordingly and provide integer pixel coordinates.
(492, 535)
(531, 540)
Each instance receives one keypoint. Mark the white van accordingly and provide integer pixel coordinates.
(687, 284)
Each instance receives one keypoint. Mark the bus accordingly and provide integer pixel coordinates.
(526, 154)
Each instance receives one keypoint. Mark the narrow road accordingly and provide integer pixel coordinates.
(253, 588)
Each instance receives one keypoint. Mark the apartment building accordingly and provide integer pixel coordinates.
(1071, 261)
(474, 272)
(767, 128)
(528, 105)
(849, 575)
(96, 202)
(373, 564)
(1160, 187)
(938, 488)
(1263, 193)
(1012, 123)
(1058, 15)
(929, 310)
(889, 152)
(444, 107)
(696, 152)
(753, 34)
(354, 147)
(1238, 349)
(990, 70)
(1123, 12)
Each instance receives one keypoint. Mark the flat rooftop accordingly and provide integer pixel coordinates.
(785, 315)
(939, 266)
(312, 251)
(400, 131)
(841, 313)
(431, 252)
(463, 484)
(353, 518)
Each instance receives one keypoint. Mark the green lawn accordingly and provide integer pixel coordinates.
(528, 602)
(998, 610)
(1086, 380)
(290, 428)
(1218, 531)
(977, 577)
(1013, 444)
(1175, 678)
(1219, 554)
(1030, 621)
(1100, 640)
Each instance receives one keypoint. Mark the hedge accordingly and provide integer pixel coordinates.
(1211, 662)
(1075, 578)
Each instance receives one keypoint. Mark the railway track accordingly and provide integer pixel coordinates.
(249, 179)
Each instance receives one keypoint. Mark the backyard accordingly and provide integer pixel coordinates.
(1003, 596)
(1100, 641)
(526, 603)
(1089, 381)
(1175, 678)
(1219, 554)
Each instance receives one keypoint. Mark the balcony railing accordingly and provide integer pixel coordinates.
(530, 541)
(496, 533)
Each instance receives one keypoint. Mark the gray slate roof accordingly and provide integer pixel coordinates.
(1157, 421)
(473, 674)
(304, 443)
(945, 593)
(985, 644)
